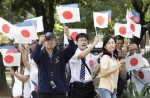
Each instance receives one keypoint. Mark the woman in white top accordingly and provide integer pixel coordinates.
(21, 78)
(33, 70)
(109, 69)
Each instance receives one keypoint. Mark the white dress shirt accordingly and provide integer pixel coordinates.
(75, 66)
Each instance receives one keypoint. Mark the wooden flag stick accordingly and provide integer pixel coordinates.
(96, 30)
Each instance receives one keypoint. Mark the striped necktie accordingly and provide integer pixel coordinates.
(82, 71)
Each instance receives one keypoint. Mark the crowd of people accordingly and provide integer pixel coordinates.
(42, 71)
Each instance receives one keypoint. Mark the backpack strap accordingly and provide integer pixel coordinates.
(86, 65)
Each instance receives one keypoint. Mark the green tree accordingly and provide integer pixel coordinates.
(4, 88)
(142, 6)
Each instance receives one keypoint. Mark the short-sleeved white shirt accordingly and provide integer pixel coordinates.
(27, 89)
(75, 66)
(17, 87)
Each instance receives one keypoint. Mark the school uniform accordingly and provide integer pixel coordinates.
(85, 88)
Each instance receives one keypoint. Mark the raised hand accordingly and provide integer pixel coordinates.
(96, 40)
(42, 39)
(66, 31)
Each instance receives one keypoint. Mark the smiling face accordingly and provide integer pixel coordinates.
(110, 45)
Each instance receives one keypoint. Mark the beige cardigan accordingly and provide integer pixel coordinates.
(109, 82)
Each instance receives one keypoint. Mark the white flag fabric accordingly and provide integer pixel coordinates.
(25, 34)
(134, 62)
(142, 77)
(6, 28)
(73, 33)
(39, 25)
(12, 59)
(120, 29)
(100, 19)
(68, 14)
(133, 28)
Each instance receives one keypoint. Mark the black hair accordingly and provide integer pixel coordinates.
(119, 37)
(81, 35)
(105, 52)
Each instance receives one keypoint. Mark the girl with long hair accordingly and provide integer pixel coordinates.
(21, 77)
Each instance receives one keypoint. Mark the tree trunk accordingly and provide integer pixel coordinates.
(139, 8)
(41, 11)
(4, 88)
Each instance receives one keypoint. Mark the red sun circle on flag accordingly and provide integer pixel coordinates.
(6, 28)
(9, 59)
(122, 30)
(100, 20)
(91, 62)
(73, 35)
(132, 27)
(133, 61)
(25, 33)
(67, 15)
(141, 75)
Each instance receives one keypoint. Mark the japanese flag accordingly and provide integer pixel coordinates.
(6, 28)
(142, 77)
(133, 28)
(120, 29)
(25, 34)
(12, 59)
(100, 19)
(73, 33)
(68, 14)
(39, 23)
(134, 62)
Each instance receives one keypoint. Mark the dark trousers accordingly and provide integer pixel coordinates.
(52, 95)
(87, 91)
(120, 86)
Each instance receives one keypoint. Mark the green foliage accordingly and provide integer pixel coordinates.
(89, 6)
(3, 39)
(147, 56)
(132, 88)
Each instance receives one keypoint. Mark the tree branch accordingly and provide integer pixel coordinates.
(136, 6)
(146, 8)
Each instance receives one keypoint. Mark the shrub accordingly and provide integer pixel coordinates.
(147, 56)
